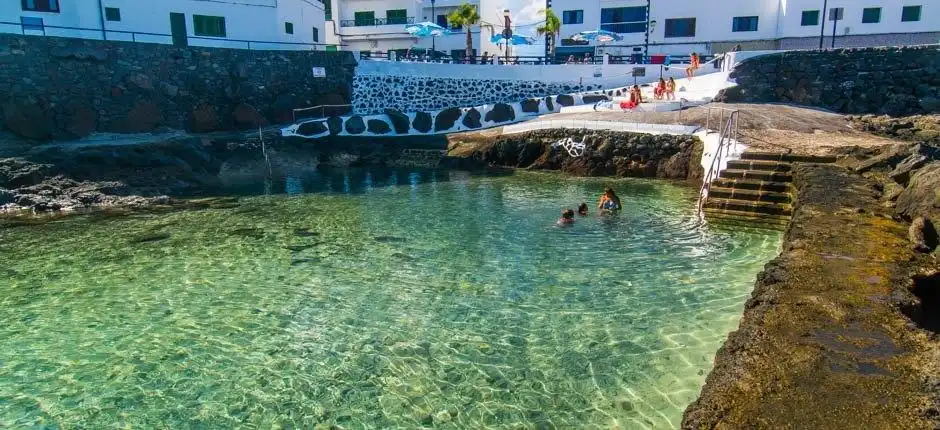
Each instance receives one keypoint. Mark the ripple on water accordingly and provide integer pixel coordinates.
(444, 299)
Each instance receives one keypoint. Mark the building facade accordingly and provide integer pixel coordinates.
(683, 26)
(254, 24)
(378, 26)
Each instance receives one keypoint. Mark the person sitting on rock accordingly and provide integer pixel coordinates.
(671, 89)
(693, 66)
(636, 96)
(659, 92)
(567, 217)
(609, 201)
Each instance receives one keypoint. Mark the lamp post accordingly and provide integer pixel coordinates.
(646, 41)
(507, 30)
(433, 37)
(822, 24)
(548, 49)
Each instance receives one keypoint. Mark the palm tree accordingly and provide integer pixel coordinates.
(551, 30)
(465, 16)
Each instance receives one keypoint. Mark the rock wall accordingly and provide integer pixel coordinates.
(374, 94)
(893, 81)
(63, 88)
(606, 153)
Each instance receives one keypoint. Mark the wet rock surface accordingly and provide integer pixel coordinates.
(606, 153)
(825, 340)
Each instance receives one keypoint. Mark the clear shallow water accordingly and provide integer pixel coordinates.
(417, 299)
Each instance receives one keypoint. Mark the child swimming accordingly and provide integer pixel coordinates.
(582, 209)
(609, 201)
(567, 217)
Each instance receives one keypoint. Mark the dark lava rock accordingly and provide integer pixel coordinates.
(565, 100)
(355, 125)
(422, 122)
(312, 128)
(145, 116)
(28, 120)
(549, 104)
(446, 119)
(531, 105)
(203, 119)
(79, 52)
(17, 172)
(400, 121)
(335, 124)
(245, 115)
(594, 98)
(471, 119)
(378, 127)
(82, 120)
(501, 112)
(6, 196)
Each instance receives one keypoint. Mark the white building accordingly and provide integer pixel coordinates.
(378, 26)
(683, 26)
(255, 24)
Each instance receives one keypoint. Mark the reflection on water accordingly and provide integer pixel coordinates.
(373, 299)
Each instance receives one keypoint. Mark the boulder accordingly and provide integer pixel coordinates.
(29, 120)
(531, 105)
(82, 120)
(921, 197)
(565, 100)
(501, 112)
(549, 105)
(378, 127)
(355, 125)
(245, 115)
(335, 123)
(422, 122)
(17, 172)
(312, 128)
(400, 121)
(471, 119)
(922, 234)
(921, 156)
(888, 158)
(145, 116)
(446, 119)
(203, 119)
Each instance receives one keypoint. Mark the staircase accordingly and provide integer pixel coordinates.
(756, 190)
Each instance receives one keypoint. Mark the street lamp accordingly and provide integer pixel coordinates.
(507, 30)
(433, 37)
(646, 42)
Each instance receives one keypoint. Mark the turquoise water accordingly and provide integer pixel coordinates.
(379, 300)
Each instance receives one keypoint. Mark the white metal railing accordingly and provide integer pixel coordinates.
(600, 125)
(322, 109)
(727, 121)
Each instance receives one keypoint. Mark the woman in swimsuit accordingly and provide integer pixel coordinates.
(671, 89)
(609, 201)
(690, 71)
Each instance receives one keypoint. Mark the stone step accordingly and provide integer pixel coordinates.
(746, 219)
(756, 174)
(752, 184)
(745, 194)
(789, 158)
(768, 208)
(762, 165)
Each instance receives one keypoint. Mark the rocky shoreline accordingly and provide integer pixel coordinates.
(841, 329)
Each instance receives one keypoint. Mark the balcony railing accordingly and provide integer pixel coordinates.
(376, 21)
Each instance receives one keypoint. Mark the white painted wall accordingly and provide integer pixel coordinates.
(255, 20)
(791, 16)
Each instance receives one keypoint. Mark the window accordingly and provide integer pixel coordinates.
(365, 18)
(744, 23)
(624, 19)
(871, 15)
(316, 34)
(32, 23)
(213, 26)
(112, 14)
(327, 10)
(40, 5)
(396, 16)
(289, 27)
(442, 21)
(810, 17)
(910, 14)
(680, 27)
(572, 17)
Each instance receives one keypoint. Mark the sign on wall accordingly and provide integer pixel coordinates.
(319, 72)
(639, 72)
(598, 72)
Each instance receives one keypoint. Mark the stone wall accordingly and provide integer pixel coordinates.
(62, 88)
(607, 153)
(893, 81)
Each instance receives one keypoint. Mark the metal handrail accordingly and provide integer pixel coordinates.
(376, 21)
(321, 107)
(727, 136)
(29, 27)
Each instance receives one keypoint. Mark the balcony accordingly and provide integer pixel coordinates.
(376, 21)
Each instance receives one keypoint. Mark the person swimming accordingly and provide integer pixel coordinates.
(582, 209)
(609, 201)
(567, 217)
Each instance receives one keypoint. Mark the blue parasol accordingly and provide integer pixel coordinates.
(514, 40)
(602, 36)
(425, 29)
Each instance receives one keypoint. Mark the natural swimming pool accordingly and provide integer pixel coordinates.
(373, 299)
